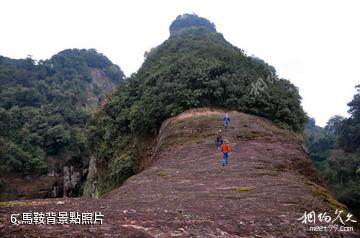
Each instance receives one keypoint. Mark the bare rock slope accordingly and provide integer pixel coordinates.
(186, 192)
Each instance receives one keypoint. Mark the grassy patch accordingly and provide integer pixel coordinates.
(244, 189)
(12, 204)
(191, 130)
(164, 174)
(326, 196)
(176, 139)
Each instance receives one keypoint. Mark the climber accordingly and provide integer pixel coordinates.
(219, 139)
(225, 149)
(226, 121)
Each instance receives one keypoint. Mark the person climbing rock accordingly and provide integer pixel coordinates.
(226, 121)
(219, 139)
(225, 149)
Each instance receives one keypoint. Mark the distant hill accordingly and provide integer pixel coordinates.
(44, 106)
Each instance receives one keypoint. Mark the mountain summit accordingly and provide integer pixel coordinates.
(196, 68)
(190, 21)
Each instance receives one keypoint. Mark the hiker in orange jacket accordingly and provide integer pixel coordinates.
(225, 148)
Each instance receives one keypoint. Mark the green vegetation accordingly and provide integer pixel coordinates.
(121, 168)
(194, 68)
(164, 174)
(326, 196)
(43, 107)
(13, 204)
(319, 142)
(244, 189)
(335, 152)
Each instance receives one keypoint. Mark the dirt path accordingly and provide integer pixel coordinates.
(267, 187)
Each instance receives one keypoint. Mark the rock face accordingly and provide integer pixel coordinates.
(72, 179)
(91, 189)
(64, 179)
(186, 192)
(100, 86)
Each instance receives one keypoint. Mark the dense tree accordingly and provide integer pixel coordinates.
(355, 105)
(335, 152)
(42, 108)
(319, 142)
(349, 138)
(334, 124)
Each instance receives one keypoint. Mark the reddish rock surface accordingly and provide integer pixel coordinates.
(186, 192)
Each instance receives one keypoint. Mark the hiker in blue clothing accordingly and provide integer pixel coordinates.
(226, 121)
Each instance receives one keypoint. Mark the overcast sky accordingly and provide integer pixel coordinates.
(315, 44)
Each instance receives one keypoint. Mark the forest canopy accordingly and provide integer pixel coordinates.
(43, 106)
(335, 150)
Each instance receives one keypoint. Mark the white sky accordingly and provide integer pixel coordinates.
(315, 44)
